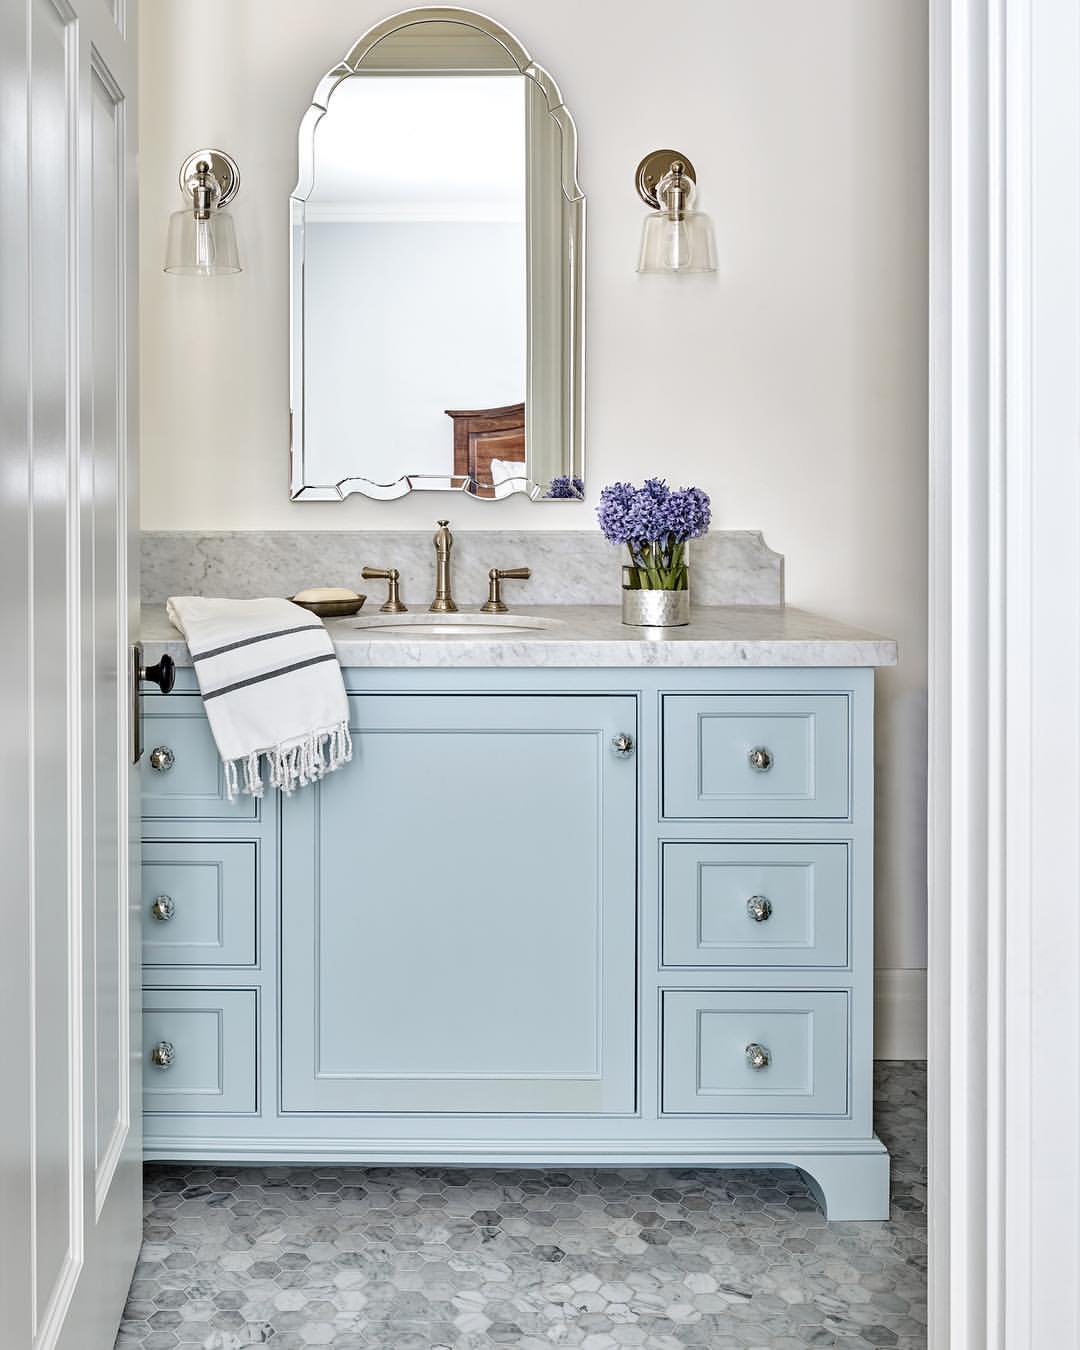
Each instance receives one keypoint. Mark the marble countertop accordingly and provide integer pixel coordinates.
(583, 635)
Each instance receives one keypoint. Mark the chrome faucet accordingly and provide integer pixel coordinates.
(444, 599)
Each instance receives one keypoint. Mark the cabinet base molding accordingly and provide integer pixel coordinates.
(849, 1179)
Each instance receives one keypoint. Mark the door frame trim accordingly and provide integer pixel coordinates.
(1004, 741)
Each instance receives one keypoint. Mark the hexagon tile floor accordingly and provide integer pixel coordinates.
(423, 1258)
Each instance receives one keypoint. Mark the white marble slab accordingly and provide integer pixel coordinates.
(569, 567)
(590, 635)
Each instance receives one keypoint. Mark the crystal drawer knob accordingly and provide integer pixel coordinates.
(757, 1056)
(163, 908)
(623, 745)
(162, 759)
(760, 759)
(161, 1056)
(759, 907)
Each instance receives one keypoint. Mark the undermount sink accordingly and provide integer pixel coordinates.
(461, 625)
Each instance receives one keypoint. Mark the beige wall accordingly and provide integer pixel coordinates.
(792, 387)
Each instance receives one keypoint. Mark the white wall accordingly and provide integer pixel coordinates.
(792, 387)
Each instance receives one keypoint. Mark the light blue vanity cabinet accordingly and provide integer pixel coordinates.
(458, 916)
(569, 916)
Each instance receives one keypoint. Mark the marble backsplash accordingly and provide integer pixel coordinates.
(728, 567)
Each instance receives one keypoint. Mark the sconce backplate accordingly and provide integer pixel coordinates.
(222, 168)
(653, 167)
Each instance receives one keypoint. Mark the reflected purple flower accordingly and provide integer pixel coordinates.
(564, 486)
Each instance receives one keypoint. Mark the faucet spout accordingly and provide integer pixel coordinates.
(444, 598)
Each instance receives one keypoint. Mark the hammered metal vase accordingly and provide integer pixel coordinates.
(655, 609)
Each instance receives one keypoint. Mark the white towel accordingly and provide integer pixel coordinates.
(271, 685)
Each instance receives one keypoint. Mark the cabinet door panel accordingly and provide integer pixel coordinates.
(459, 911)
(193, 787)
(209, 893)
(708, 1036)
(709, 890)
(711, 749)
(212, 1035)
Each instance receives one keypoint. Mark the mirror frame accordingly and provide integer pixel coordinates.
(573, 248)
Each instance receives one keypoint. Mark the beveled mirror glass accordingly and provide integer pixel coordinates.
(436, 259)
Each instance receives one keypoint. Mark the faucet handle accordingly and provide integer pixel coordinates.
(391, 575)
(494, 604)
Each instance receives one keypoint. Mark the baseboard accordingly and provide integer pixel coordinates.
(900, 1014)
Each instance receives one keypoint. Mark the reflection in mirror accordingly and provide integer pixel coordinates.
(436, 272)
(414, 256)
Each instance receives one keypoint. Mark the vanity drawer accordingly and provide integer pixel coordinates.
(756, 755)
(192, 785)
(755, 904)
(709, 1039)
(199, 903)
(208, 1038)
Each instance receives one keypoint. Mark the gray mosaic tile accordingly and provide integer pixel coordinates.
(447, 1259)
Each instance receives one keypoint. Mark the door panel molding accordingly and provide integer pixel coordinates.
(70, 1136)
(54, 897)
(105, 259)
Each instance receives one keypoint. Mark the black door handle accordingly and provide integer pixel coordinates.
(163, 674)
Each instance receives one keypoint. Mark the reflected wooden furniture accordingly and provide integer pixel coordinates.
(484, 434)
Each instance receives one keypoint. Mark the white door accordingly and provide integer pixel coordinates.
(70, 1140)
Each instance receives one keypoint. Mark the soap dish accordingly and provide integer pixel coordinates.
(332, 609)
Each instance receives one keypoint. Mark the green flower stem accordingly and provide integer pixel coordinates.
(659, 565)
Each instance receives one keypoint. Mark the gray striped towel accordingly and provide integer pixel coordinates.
(271, 685)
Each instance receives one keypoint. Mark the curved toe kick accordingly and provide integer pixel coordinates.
(848, 1186)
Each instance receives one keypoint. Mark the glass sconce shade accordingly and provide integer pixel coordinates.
(677, 245)
(202, 237)
(202, 248)
(674, 238)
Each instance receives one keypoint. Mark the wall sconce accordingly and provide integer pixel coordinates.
(202, 237)
(674, 238)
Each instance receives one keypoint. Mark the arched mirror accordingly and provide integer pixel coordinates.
(436, 258)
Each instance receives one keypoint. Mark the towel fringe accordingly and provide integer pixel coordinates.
(293, 765)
